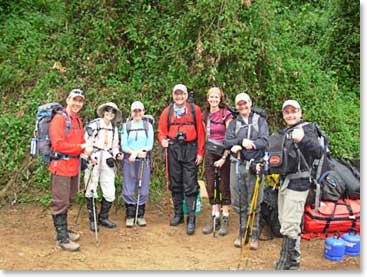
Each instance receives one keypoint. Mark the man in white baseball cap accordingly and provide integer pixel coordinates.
(295, 185)
(181, 132)
(292, 103)
(247, 138)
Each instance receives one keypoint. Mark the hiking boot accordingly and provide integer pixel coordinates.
(103, 214)
(107, 223)
(73, 236)
(237, 242)
(68, 245)
(177, 219)
(208, 229)
(190, 229)
(142, 222)
(223, 226)
(254, 244)
(60, 223)
(130, 222)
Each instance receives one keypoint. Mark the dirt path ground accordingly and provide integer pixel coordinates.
(26, 243)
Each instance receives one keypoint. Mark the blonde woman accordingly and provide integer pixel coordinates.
(216, 117)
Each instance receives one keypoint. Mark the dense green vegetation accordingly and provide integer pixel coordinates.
(122, 51)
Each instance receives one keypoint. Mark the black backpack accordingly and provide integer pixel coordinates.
(269, 213)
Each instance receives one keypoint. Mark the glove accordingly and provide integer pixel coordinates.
(110, 162)
(83, 164)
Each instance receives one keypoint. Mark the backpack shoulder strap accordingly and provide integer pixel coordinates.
(255, 121)
(169, 114)
(238, 126)
(193, 112)
(146, 126)
(128, 126)
(67, 119)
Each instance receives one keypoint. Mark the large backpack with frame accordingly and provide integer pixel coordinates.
(41, 143)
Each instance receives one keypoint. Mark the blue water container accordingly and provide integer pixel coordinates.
(352, 244)
(334, 248)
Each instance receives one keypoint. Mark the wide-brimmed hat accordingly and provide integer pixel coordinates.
(102, 107)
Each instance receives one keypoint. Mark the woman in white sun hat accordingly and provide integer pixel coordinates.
(103, 134)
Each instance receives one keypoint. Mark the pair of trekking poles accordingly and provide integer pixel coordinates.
(251, 216)
(93, 203)
(141, 170)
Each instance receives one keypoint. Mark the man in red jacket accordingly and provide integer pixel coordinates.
(67, 143)
(181, 131)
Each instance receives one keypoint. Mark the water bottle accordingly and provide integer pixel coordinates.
(266, 162)
(34, 150)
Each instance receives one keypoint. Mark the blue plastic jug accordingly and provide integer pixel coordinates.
(334, 248)
(352, 243)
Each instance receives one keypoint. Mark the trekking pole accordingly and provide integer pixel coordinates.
(239, 185)
(216, 192)
(167, 188)
(215, 198)
(141, 168)
(82, 202)
(95, 218)
(250, 218)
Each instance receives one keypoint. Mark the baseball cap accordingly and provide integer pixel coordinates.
(76, 92)
(242, 97)
(180, 87)
(137, 105)
(292, 103)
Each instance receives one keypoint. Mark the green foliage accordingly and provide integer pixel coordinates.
(122, 51)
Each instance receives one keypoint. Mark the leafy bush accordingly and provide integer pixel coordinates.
(122, 51)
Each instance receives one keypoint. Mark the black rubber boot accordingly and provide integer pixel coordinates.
(279, 265)
(289, 256)
(178, 218)
(293, 256)
(191, 218)
(103, 214)
(141, 220)
(63, 241)
(130, 215)
(89, 201)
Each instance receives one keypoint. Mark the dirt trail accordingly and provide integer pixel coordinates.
(27, 232)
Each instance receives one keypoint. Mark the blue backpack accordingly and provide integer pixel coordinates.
(41, 143)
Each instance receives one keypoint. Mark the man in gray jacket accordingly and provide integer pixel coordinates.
(246, 136)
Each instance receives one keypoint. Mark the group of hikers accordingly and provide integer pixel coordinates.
(234, 145)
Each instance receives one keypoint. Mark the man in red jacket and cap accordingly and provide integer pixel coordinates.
(67, 143)
(180, 130)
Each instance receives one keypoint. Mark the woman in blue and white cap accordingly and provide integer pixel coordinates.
(137, 143)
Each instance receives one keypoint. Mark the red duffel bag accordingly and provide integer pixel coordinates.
(333, 217)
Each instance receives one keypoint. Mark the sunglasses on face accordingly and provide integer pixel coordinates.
(242, 104)
(77, 91)
(110, 110)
